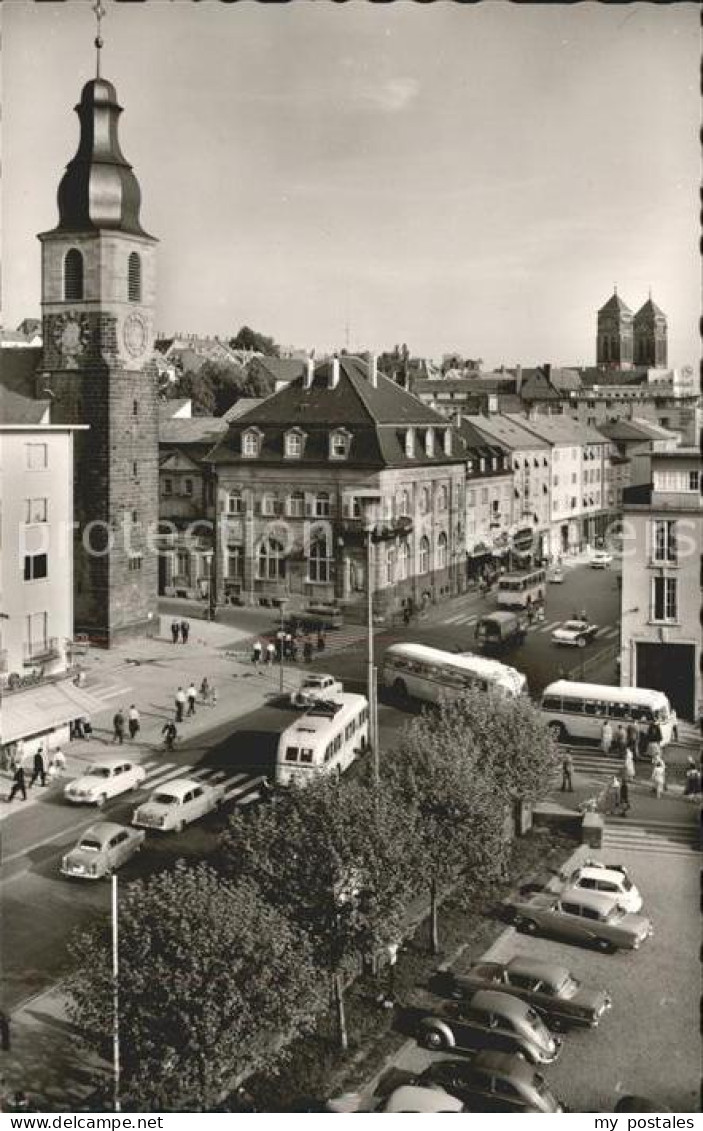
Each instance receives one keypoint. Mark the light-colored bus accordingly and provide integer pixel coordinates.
(326, 739)
(518, 590)
(578, 710)
(419, 672)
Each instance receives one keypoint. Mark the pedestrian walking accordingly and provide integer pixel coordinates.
(270, 652)
(606, 737)
(170, 734)
(38, 768)
(118, 726)
(654, 739)
(180, 704)
(133, 721)
(205, 690)
(175, 631)
(628, 765)
(620, 740)
(583, 615)
(567, 769)
(192, 696)
(294, 651)
(658, 777)
(185, 630)
(320, 641)
(624, 797)
(288, 645)
(256, 652)
(633, 737)
(18, 784)
(612, 796)
(59, 761)
(307, 650)
(674, 725)
(692, 786)
(642, 737)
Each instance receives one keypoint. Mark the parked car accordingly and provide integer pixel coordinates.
(577, 633)
(490, 1020)
(494, 1081)
(600, 559)
(411, 1098)
(551, 989)
(104, 780)
(102, 849)
(613, 879)
(314, 688)
(582, 917)
(173, 806)
(324, 614)
(499, 630)
(555, 575)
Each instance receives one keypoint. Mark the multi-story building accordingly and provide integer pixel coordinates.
(303, 477)
(489, 498)
(37, 644)
(530, 462)
(661, 581)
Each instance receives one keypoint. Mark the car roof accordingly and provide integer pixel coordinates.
(597, 900)
(597, 872)
(103, 830)
(537, 967)
(413, 1096)
(110, 763)
(500, 1003)
(503, 1064)
(178, 786)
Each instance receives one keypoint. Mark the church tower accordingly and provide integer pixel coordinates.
(98, 293)
(615, 342)
(650, 336)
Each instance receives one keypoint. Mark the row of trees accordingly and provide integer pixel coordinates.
(219, 959)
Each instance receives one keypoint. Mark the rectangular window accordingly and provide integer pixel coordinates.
(135, 563)
(250, 444)
(294, 445)
(694, 480)
(35, 510)
(37, 625)
(235, 503)
(36, 567)
(664, 599)
(338, 445)
(187, 486)
(234, 563)
(168, 486)
(37, 456)
(664, 541)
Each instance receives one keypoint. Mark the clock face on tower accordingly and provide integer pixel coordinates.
(135, 335)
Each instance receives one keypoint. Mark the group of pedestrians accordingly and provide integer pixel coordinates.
(185, 707)
(180, 630)
(286, 647)
(40, 772)
(131, 724)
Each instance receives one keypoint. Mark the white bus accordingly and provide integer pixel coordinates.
(578, 710)
(518, 590)
(419, 672)
(326, 739)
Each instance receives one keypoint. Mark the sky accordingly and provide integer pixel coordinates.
(457, 177)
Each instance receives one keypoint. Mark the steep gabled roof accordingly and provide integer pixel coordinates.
(615, 305)
(191, 430)
(649, 312)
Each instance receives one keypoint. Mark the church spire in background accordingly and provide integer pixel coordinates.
(100, 14)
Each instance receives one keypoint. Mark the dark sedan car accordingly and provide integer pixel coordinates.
(489, 1020)
(549, 988)
(494, 1081)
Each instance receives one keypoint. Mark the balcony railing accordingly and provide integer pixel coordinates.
(39, 652)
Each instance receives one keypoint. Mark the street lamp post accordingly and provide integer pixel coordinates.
(115, 1002)
(371, 668)
(281, 638)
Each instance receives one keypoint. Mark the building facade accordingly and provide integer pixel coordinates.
(98, 295)
(307, 477)
(661, 581)
(489, 500)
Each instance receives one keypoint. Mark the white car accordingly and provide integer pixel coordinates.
(601, 560)
(102, 848)
(577, 633)
(414, 1099)
(610, 879)
(177, 803)
(104, 780)
(314, 688)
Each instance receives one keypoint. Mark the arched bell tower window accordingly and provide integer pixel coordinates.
(134, 278)
(73, 275)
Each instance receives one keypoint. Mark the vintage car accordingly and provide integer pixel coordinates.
(104, 780)
(550, 989)
(489, 1020)
(315, 687)
(494, 1081)
(102, 848)
(587, 917)
(600, 560)
(613, 879)
(577, 633)
(555, 575)
(177, 803)
(416, 1099)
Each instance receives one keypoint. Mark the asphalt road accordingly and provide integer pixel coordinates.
(41, 908)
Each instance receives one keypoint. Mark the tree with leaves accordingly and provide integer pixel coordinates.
(209, 976)
(248, 339)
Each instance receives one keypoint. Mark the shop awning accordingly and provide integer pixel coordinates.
(44, 707)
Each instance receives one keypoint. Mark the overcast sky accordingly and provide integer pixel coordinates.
(451, 176)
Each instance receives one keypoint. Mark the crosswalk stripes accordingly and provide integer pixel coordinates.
(240, 787)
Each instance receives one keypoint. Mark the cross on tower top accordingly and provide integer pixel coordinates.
(100, 13)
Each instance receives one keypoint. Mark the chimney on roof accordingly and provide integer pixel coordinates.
(334, 373)
(547, 370)
(373, 370)
(518, 379)
(309, 372)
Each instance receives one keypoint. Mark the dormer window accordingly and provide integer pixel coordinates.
(410, 444)
(429, 443)
(294, 444)
(339, 444)
(483, 464)
(469, 465)
(251, 442)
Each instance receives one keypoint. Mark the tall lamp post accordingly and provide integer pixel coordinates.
(366, 501)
